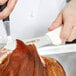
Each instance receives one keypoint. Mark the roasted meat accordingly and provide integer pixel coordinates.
(25, 61)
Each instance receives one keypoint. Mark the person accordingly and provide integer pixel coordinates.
(31, 18)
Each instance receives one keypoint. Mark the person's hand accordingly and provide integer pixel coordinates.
(67, 17)
(9, 8)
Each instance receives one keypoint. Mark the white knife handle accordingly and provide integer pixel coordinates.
(55, 36)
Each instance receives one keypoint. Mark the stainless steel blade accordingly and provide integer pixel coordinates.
(49, 50)
(7, 27)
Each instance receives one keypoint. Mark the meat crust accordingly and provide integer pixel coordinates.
(25, 61)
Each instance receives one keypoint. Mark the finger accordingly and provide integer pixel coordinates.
(10, 6)
(73, 35)
(66, 30)
(56, 23)
(2, 2)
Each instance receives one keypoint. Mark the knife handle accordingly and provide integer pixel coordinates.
(55, 36)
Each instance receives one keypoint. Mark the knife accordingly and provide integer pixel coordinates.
(6, 23)
(48, 44)
(51, 38)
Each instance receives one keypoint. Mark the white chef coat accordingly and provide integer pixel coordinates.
(31, 18)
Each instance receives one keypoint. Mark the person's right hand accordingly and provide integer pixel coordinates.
(9, 8)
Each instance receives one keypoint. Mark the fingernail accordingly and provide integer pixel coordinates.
(50, 28)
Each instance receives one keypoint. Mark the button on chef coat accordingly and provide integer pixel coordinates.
(31, 18)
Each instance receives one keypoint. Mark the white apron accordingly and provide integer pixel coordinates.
(31, 18)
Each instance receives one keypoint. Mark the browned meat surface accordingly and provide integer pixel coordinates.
(54, 67)
(25, 61)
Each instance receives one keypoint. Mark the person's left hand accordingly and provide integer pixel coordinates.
(67, 17)
(7, 11)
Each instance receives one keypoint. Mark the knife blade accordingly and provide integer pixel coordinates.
(50, 38)
(61, 49)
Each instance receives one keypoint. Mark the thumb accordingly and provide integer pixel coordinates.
(56, 23)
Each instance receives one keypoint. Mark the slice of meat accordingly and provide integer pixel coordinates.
(25, 61)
